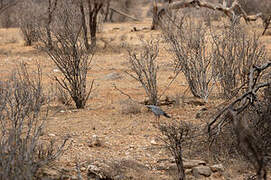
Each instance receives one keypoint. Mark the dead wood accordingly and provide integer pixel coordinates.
(124, 14)
(245, 99)
(232, 12)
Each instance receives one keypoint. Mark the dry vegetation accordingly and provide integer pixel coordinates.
(81, 114)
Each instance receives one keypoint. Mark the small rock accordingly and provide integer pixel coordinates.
(95, 141)
(201, 170)
(51, 135)
(217, 175)
(188, 164)
(47, 172)
(83, 169)
(188, 171)
(153, 142)
(74, 178)
(217, 168)
(190, 177)
(113, 76)
(200, 113)
(56, 70)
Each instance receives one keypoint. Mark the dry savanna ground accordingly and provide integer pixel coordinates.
(125, 131)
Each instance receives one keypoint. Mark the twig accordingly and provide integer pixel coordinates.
(249, 96)
(228, 11)
(124, 14)
(169, 84)
(125, 94)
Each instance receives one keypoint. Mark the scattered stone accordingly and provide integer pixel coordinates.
(56, 70)
(51, 135)
(190, 177)
(217, 168)
(94, 141)
(50, 173)
(101, 172)
(200, 113)
(195, 102)
(153, 142)
(201, 171)
(113, 76)
(188, 171)
(74, 178)
(193, 163)
(83, 169)
(217, 175)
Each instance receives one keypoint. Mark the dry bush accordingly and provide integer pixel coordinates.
(256, 6)
(175, 135)
(89, 11)
(62, 95)
(8, 18)
(248, 119)
(259, 120)
(130, 107)
(193, 56)
(28, 19)
(68, 53)
(7, 4)
(144, 68)
(22, 122)
(236, 51)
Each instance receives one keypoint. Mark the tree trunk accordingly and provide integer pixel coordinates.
(84, 26)
(107, 9)
(93, 13)
(181, 174)
(155, 18)
(50, 12)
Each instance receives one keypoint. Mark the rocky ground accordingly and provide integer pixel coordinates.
(114, 137)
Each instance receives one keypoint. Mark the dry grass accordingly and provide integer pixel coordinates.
(124, 128)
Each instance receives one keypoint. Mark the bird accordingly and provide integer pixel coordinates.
(157, 111)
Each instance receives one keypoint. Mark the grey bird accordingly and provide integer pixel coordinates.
(157, 111)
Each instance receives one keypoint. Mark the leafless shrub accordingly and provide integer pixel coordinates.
(22, 121)
(174, 135)
(69, 54)
(188, 40)
(130, 107)
(7, 18)
(144, 69)
(28, 21)
(236, 51)
(7, 4)
(93, 9)
(246, 116)
(256, 6)
(62, 95)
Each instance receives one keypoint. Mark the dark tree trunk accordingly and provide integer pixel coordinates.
(93, 13)
(181, 174)
(155, 18)
(84, 25)
(50, 12)
(107, 9)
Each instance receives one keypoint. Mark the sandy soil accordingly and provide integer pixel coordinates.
(122, 135)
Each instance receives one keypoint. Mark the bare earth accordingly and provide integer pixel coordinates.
(123, 136)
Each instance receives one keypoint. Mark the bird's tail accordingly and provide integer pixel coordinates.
(166, 115)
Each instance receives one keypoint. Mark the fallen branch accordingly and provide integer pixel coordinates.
(124, 14)
(245, 99)
(266, 23)
(231, 12)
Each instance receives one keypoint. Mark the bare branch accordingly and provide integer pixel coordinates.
(228, 11)
(246, 98)
(124, 14)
